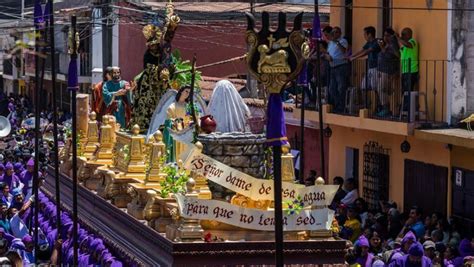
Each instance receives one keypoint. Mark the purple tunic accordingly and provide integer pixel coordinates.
(13, 181)
(83, 260)
(366, 261)
(404, 262)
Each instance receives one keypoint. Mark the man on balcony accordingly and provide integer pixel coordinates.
(371, 49)
(388, 67)
(409, 62)
(337, 50)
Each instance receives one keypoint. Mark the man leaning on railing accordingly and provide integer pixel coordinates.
(371, 49)
(388, 66)
(340, 69)
(409, 64)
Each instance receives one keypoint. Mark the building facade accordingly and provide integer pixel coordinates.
(420, 156)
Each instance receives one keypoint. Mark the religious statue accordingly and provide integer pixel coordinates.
(158, 68)
(117, 95)
(179, 118)
(173, 115)
(98, 105)
(228, 108)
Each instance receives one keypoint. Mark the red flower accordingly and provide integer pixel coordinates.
(208, 238)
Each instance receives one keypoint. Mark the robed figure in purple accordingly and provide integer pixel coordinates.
(10, 177)
(364, 258)
(414, 258)
(27, 178)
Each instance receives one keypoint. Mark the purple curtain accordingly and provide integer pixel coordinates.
(316, 27)
(72, 83)
(303, 77)
(276, 128)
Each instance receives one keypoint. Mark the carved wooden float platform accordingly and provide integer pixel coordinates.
(149, 248)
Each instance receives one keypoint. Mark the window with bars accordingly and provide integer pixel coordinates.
(376, 174)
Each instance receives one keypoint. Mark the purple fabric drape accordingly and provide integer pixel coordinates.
(40, 17)
(72, 82)
(316, 27)
(276, 129)
(303, 77)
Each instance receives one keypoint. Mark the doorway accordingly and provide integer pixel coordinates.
(425, 186)
(376, 174)
(462, 198)
(352, 163)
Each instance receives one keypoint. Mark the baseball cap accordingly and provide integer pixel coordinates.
(429, 244)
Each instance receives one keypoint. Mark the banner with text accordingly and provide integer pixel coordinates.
(262, 220)
(256, 189)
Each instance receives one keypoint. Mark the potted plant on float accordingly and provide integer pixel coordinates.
(174, 183)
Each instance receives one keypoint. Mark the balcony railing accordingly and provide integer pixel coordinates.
(385, 93)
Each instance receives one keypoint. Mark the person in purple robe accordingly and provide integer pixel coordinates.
(407, 241)
(465, 250)
(10, 178)
(29, 253)
(27, 178)
(414, 258)
(95, 250)
(6, 196)
(364, 257)
(7, 236)
(83, 259)
(52, 236)
(12, 115)
(2, 170)
(111, 261)
(18, 169)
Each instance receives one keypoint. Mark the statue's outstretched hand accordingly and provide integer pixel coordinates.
(133, 85)
(121, 92)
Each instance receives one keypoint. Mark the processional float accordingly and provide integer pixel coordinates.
(130, 169)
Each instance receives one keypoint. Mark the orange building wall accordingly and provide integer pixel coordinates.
(363, 17)
(336, 18)
(429, 26)
(428, 152)
(462, 157)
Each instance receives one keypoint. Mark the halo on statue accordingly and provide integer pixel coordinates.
(160, 114)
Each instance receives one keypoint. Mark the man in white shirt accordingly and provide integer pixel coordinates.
(340, 69)
(352, 194)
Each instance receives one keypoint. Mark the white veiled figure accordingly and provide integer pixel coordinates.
(228, 108)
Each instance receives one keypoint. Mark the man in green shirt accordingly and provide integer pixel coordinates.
(409, 62)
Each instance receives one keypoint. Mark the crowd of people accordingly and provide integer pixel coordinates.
(392, 68)
(383, 236)
(17, 222)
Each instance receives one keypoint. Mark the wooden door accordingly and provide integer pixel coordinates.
(426, 186)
